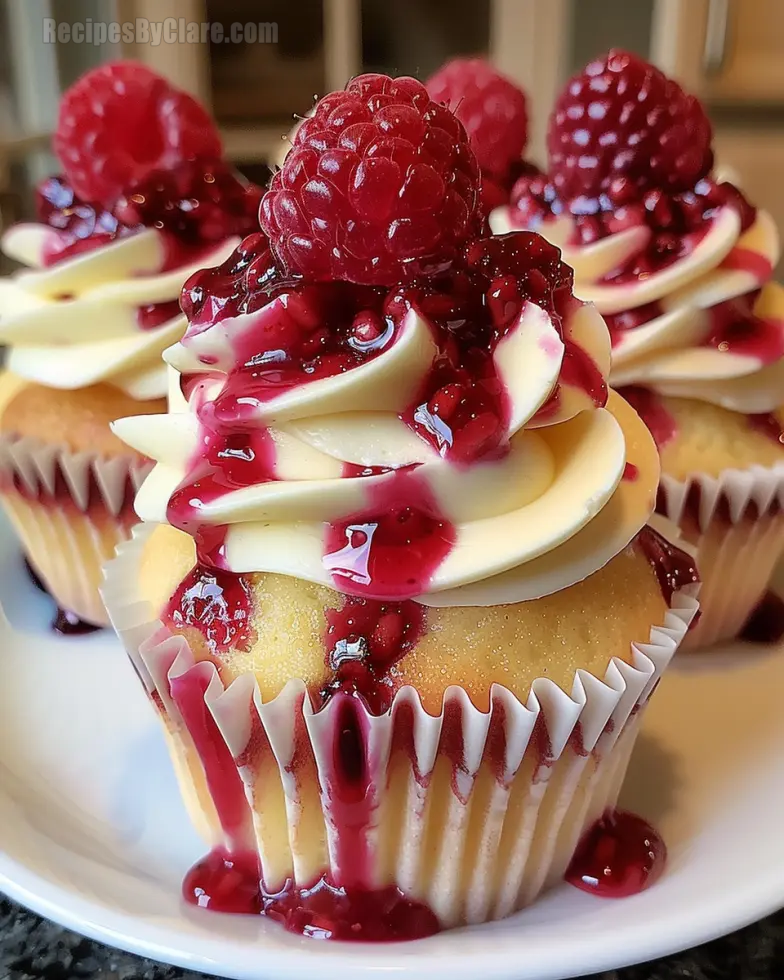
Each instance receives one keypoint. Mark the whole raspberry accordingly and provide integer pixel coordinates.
(120, 122)
(489, 105)
(380, 186)
(622, 118)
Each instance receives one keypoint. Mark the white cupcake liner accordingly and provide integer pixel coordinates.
(475, 834)
(738, 532)
(68, 537)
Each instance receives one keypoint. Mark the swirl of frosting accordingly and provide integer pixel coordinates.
(389, 447)
(691, 313)
(103, 314)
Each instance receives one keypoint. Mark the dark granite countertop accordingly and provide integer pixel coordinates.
(31, 948)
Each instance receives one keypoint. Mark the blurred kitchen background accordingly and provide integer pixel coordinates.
(727, 51)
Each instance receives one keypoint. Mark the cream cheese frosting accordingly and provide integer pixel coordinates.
(75, 322)
(573, 486)
(681, 333)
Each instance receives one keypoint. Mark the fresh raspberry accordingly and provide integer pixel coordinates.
(489, 105)
(621, 127)
(120, 122)
(380, 186)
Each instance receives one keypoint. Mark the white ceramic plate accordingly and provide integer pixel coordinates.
(93, 835)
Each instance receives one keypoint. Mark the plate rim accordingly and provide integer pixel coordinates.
(89, 918)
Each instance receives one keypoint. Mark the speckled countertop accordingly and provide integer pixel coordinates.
(33, 949)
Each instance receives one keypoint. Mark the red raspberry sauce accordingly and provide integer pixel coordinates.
(298, 332)
(674, 568)
(650, 408)
(620, 855)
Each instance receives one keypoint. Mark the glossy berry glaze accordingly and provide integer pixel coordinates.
(735, 329)
(677, 222)
(194, 209)
(619, 856)
(230, 878)
(65, 622)
(304, 331)
(364, 641)
(674, 568)
(224, 883)
(650, 407)
(731, 327)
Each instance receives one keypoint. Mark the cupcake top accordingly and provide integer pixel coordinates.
(675, 258)
(382, 402)
(144, 200)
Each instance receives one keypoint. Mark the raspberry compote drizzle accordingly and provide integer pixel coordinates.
(766, 623)
(677, 222)
(619, 856)
(736, 329)
(649, 406)
(297, 332)
(194, 210)
(674, 568)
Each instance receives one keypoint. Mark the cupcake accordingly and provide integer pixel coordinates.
(494, 112)
(395, 597)
(680, 265)
(144, 200)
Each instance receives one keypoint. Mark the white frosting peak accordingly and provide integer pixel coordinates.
(75, 323)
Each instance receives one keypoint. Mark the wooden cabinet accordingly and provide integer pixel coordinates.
(727, 51)
(743, 52)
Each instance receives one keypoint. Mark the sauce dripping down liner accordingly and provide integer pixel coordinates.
(542, 792)
(736, 523)
(71, 513)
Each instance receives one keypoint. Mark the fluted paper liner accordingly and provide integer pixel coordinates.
(475, 838)
(738, 532)
(68, 538)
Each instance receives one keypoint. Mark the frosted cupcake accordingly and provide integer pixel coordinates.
(494, 112)
(680, 265)
(144, 200)
(395, 598)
